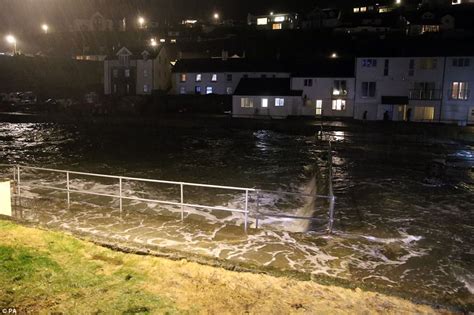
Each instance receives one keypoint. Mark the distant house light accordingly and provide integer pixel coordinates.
(398, 1)
(356, 10)
(279, 19)
(363, 9)
(189, 21)
(334, 55)
(173, 41)
(262, 21)
(162, 40)
(277, 26)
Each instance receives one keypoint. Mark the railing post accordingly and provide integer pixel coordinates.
(120, 193)
(19, 184)
(331, 214)
(246, 210)
(182, 201)
(68, 191)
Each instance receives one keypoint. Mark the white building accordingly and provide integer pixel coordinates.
(220, 76)
(425, 89)
(273, 21)
(328, 87)
(268, 98)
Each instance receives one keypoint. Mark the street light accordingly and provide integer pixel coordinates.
(141, 21)
(45, 28)
(12, 41)
(153, 42)
(334, 55)
(216, 16)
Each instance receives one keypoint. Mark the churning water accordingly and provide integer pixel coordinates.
(394, 229)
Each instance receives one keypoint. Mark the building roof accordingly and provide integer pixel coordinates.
(326, 68)
(266, 87)
(229, 65)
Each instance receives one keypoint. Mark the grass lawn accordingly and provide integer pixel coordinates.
(51, 272)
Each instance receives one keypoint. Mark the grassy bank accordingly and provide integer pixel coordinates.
(43, 271)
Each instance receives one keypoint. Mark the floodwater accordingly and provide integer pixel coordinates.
(401, 225)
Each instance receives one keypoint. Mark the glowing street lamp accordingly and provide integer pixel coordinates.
(334, 55)
(216, 16)
(12, 41)
(141, 21)
(45, 28)
(153, 42)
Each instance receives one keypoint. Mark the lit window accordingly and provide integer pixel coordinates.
(277, 26)
(229, 90)
(339, 105)
(429, 29)
(279, 102)
(214, 78)
(127, 73)
(424, 113)
(246, 102)
(198, 77)
(182, 90)
(279, 19)
(356, 10)
(182, 77)
(197, 90)
(455, 2)
(264, 102)
(319, 107)
(209, 90)
(363, 9)
(173, 41)
(145, 88)
(262, 21)
(459, 91)
(340, 87)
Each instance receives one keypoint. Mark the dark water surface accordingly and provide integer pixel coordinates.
(394, 228)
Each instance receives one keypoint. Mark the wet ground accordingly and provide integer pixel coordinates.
(402, 224)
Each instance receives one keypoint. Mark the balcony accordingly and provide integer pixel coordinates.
(459, 94)
(339, 93)
(430, 95)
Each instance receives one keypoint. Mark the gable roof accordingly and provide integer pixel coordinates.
(266, 87)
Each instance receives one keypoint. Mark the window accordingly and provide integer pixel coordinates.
(209, 90)
(214, 77)
(356, 10)
(340, 87)
(459, 91)
(127, 73)
(262, 21)
(197, 89)
(182, 90)
(264, 102)
(198, 77)
(229, 78)
(424, 113)
(339, 105)
(461, 62)
(308, 82)
(368, 89)
(386, 67)
(229, 90)
(277, 26)
(246, 102)
(279, 19)
(429, 29)
(115, 73)
(369, 63)
(319, 107)
(279, 102)
(363, 9)
(428, 63)
(146, 88)
(411, 68)
(145, 73)
(182, 77)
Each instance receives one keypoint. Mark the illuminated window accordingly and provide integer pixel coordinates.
(145, 88)
(279, 102)
(459, 91)
(214, 78)
(264, 102)
(356, 10)
(173, 41)
(277, 26)
(455, 2)
(319, 107)
(198, 77)
(339, 88)
(279, 19)
(182, 77)
(430, 29)
(339, 105)
(424, 113)
(209, 90)
(262, 21)
(246, 102)
(363, 9)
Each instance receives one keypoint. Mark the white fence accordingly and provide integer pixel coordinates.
(17, 171)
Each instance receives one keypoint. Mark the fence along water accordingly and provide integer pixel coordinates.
(18, 171)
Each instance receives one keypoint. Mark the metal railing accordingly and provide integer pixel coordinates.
(19, 186)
